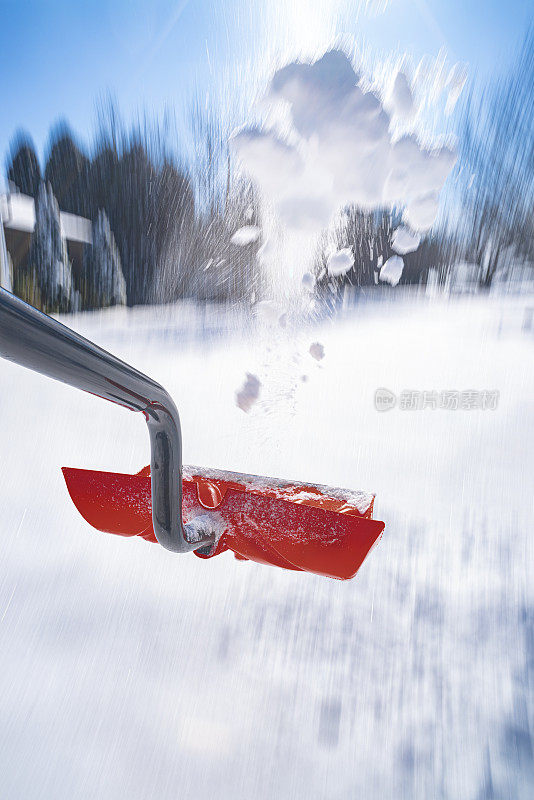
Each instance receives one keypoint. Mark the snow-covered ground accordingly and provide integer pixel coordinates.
(130, 672)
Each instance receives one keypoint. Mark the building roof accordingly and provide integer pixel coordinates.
(17, 211)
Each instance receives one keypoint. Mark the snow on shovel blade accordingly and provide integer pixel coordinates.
(294, 526)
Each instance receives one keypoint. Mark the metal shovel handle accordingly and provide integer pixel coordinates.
(34, 340)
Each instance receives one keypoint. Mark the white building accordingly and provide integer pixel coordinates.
(17, 217)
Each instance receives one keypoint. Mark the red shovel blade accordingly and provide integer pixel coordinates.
(294, 526)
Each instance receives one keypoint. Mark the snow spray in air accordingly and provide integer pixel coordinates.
(336, 149)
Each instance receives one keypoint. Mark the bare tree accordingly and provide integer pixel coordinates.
(220, 269)
(497, 156)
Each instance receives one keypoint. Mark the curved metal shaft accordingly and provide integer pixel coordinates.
(35, 340)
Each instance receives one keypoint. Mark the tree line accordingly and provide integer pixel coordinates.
(161, 231)
(162, 227)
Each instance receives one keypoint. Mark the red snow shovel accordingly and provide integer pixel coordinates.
(287, 524)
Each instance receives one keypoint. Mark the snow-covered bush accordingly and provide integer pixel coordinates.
(48, 254)
(103, 277)
(6, 267)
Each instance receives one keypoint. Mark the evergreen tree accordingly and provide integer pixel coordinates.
(102, 181)
(48, 254)
(134, 216)
(149, 201)
(67, 169)
(175, 206)
(6, 278)
(104, 281)
(23, 165)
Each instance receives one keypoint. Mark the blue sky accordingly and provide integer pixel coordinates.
(59, 56)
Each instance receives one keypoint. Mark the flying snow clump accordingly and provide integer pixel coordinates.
(245, 235)
(317, 351)
(249, 393)
(391, 272)
(404, 241)
(340, 262)
(338, 150)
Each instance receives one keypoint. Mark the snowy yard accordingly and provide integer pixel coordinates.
(130, 672)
